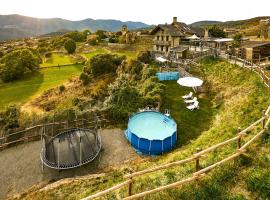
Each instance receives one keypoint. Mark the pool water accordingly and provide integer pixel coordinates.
(168, 76)
(152, 125)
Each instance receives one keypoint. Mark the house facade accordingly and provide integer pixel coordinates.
(168, 36)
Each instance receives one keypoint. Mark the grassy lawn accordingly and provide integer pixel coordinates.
(93, 53)
(57, 59)
(128, 54)
(34, 84)
(190, 123)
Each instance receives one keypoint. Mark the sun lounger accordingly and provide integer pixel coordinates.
(193, 106)
(188, 96)
(192, 100)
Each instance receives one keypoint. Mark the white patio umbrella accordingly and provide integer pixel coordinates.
(192, 82)
(160, 59)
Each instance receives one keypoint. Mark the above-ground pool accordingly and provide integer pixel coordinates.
(168, 76)
(151, 132)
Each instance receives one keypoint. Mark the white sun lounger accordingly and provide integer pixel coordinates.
(192, 100)
(188, 96)
(193, 106)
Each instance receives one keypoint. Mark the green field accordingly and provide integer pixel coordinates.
(34, 84)
(57, 59)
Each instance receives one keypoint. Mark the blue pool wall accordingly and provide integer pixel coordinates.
(168, 76)
(151, 147)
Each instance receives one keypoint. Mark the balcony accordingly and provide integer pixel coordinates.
(160, 42)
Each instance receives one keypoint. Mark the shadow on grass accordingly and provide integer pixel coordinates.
(20, 90)
(190, 124)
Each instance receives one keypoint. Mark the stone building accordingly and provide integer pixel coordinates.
(127, 37)
(253, 50)
(168, 36)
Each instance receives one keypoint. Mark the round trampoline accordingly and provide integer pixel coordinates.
(71, 148)
(151, 132)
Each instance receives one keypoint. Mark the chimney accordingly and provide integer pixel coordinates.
(206, 34)
(174, 19)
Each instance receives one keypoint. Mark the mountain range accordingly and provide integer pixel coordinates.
(17, 26)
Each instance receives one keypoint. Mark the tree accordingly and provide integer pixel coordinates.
(86, 33)
(104, 64)
(70, 46)
(215, 31)
(16, 63)
(101, 34)
(237, 39)
(76, 36)
(123, 99)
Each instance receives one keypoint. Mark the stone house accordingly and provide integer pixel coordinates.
(169, 36)
(253, 50)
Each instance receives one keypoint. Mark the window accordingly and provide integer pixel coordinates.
(167, 49)
(162, 38)
(158, 37)
(167, 38)
(161, 48)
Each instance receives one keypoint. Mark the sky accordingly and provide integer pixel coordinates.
(148, 11)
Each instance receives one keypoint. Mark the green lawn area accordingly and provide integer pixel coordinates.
(57, 59)
(93, 53)
(128, 54)
(190, 123)
(34, 84)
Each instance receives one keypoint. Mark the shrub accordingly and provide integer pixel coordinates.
(70, 46)
(9, 118)
(145, 57)
(62, 88)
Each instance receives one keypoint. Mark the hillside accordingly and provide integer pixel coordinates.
(28, 26)
(236, 103)
(247, 23)
(204, 23)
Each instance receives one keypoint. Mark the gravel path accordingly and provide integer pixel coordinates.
(20, 167)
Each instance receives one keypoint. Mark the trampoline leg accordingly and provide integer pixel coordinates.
(42, 167)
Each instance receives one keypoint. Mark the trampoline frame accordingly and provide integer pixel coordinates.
(47, 140)
(90, 159)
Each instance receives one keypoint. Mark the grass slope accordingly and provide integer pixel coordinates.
(190, 123)
(239, 99)
(57, 59)
(34, 84)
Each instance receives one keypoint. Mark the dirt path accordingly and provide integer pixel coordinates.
(20, 167)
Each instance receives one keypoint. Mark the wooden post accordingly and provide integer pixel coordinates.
(264, 120)
(130, 187)
(239, 139)
(197, 160)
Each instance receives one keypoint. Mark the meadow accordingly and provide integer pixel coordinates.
(34, 84)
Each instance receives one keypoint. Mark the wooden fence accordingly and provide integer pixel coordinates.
(199, 173)
(249, 65)
(34, 133)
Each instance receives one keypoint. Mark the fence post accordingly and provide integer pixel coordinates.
(130, 187)
(264, 120)
(197, 160)
(239, 139)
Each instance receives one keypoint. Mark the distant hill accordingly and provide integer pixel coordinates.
(241, 24)
(204, 23)
(29, 26)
